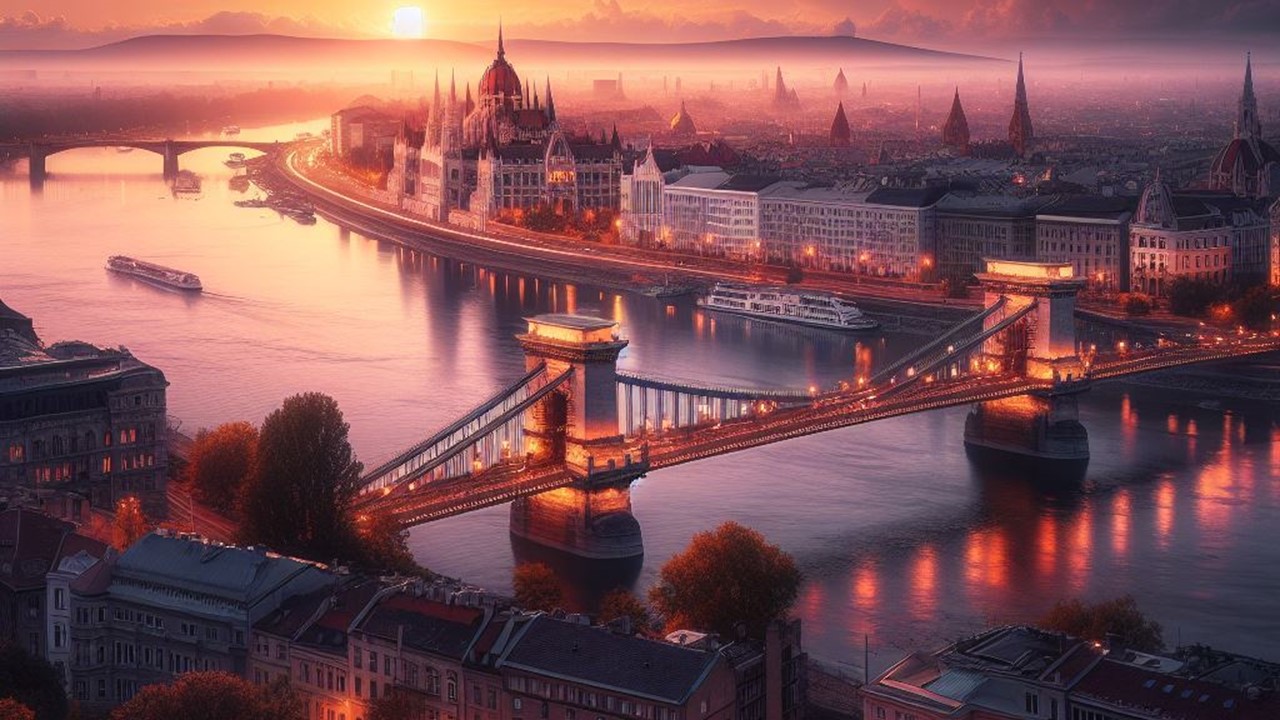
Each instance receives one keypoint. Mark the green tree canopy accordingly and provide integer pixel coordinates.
(304, 480)
(221, 462)
(212, 696)
(32, 682)
(728, 576)
(1119, 616)
(537, 587)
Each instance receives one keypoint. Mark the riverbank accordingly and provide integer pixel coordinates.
(350, 205)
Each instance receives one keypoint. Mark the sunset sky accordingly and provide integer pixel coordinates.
(967, 24)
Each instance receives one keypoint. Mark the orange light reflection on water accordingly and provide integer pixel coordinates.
(1166, 498)
(1080, 552)
(1120, 522)
(1047, 546)
(866, 586)
(924, 584)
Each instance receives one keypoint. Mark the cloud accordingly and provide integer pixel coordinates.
(896, 22)
(609, 21)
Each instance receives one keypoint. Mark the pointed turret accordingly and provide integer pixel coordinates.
(955, 131)
(470, 104)
(840, 136)
(842, 84)
(435, 119)
(780, 96)
(1020, 134)
(615, 141)
(1248, 124)
(551, 104)
(453, 86)
(502, 51)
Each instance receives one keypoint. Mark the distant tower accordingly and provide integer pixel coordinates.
(779, 89)
(918, 108)
(840, 128)
(842, 84)
(1020, 135)
(1248, 165)
(1248, 125)
(864, 88)
(682, 122)
(955, 132)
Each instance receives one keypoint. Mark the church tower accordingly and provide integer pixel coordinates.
(1020, 135)
(955, 132)
(1248, 125)
(840, 135)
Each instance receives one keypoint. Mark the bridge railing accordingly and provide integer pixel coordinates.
(649, 405)
(946, 339)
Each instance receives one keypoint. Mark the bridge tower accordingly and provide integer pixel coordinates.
(577, 426)
(1043, 428)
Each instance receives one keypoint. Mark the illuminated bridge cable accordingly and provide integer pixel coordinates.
(942, 341)
(488, 428)
(386, 473)
(932, 363)
(718, 392)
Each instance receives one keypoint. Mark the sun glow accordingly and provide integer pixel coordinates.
(408, 22)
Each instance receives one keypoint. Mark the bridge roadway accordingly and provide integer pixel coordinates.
(53, 146)
(504, 483)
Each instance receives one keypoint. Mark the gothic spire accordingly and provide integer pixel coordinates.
(502, 52)
(1248, 125)
(840, 135)
(1020, 133)
(955, 131)
(551, 104)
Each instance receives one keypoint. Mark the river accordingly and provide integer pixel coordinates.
(902, 542)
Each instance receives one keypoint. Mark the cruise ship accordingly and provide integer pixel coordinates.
(788, 305)
(158, 274)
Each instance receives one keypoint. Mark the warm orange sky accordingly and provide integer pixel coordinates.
(32, 23)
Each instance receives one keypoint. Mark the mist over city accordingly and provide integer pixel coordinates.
(800, 360)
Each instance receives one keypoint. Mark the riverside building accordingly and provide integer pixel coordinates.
(79, 425)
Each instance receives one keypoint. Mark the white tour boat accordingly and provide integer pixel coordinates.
(788, 305)
(157, 274)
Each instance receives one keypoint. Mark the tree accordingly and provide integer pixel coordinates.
(383, 544)
(1119, 616)
(221, 461)
(725, 577)
(31, 682)
(212, 696)
(130, 523)
(1136, 303)
(1191, 296)
(623, 603)
(11, 709)
(537, 587)
(304, 480)
(1255, 307)
(397, 705)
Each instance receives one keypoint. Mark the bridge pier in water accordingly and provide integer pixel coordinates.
(170, 160)
(36, 168)
(577, 426)
(1041, 431)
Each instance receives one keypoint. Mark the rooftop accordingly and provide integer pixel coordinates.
(594, 656)
(428, 625)
(572, 322)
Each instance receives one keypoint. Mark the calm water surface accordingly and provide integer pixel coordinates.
(901, 540)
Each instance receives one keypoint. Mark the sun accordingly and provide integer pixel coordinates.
(407, 22)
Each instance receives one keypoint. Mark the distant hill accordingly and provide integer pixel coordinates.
(284, 53)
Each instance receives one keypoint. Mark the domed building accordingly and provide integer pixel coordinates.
(503, 152)
(682, 122)
(1248, 165)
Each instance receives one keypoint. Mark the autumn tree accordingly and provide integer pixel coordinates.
(537, 587)
(11, 709)
(130, 523)
(220, 463)
(725, 577)
(397, 705)
(1119, 616)
(31, 682)
(623, 603)
(383, 544)
(305, 477)
(212, 696)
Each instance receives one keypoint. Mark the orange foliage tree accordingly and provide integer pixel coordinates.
(130, 523)
(726, 577)
(212, 696)
(537, 587)
(220, 463)
(11, 709)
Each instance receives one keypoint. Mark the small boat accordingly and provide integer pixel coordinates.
(124, 149)
(788, 305)
(234, 160)
(302, 218)
(186, 182)
(231, 130)
(158, 274)
(252, 203)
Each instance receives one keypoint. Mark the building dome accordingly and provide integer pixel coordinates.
(1155, 209)
(682, 123)
(500, 79)
(1241, 165)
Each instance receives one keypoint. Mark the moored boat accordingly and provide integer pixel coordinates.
(158, 274)
(788, 305)
(234, 160)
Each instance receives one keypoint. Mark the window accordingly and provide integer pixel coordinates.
(59, 635)
(358, 684)
(516, 703)
(386, 665)
(373, 689)
(1033, 703)
(358, 658)
(451, 690)
(59, 598)
(879, 713)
